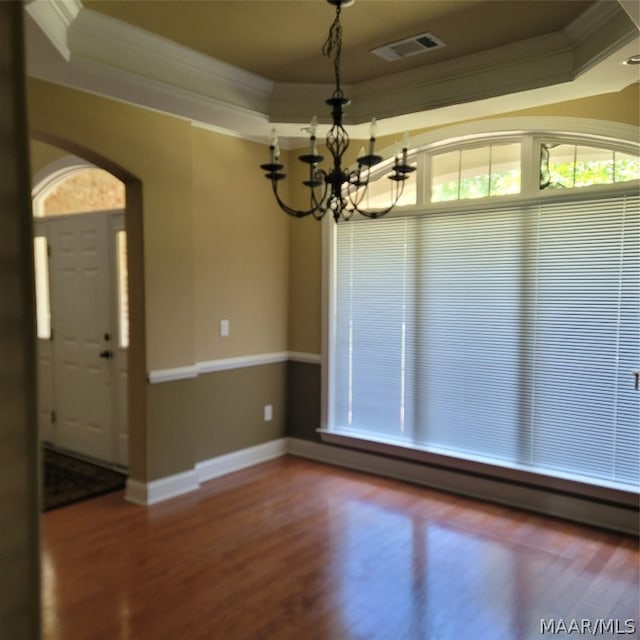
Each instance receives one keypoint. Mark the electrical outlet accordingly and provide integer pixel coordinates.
(224, 328)
(268, 412)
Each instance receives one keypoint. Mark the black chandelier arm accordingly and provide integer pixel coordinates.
(399, 179)
(316, 209)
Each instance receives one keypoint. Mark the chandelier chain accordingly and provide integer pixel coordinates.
(333, 45)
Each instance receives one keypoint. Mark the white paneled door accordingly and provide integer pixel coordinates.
(83, 346)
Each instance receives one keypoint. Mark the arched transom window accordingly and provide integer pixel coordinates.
(81, 191)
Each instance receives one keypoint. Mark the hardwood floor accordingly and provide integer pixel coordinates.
(291, 549)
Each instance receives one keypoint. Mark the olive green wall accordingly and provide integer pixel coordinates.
(214, 414)
(230, 406)
(19, 459)
(303, 400)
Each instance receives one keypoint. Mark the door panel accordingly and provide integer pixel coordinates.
(81, 320)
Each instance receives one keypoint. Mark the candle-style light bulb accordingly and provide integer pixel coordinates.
(372, 135)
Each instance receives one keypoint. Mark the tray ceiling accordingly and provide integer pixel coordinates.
(240, 65)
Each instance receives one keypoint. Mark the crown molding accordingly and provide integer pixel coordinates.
(55, 17)
(600, 31)
(632, 7)
(589, 22)
(151, 58)
(542, 61)
(551, 60)
(104, 56)
(521, 66)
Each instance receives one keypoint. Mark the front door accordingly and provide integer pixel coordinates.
(82, 341)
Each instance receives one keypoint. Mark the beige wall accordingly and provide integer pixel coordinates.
(209, 223)
(241, 246)
(19, 469)
(206, 243)
(42, 154)
(623, 107)
(155, 149)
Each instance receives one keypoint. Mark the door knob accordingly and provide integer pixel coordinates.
(106, 354)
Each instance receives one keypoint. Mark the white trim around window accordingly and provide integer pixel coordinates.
(530, 132)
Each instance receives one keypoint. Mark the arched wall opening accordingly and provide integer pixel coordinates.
(75, 159)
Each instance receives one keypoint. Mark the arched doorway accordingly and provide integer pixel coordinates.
(80, 248)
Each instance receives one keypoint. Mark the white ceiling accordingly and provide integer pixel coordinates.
(240, 65)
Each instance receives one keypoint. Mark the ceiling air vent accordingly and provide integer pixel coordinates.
(409, 47)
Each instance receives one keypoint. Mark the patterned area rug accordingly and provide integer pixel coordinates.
(68, 480)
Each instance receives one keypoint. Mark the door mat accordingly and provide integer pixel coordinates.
(68, 480)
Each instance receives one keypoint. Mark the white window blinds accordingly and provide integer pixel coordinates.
(508, 334)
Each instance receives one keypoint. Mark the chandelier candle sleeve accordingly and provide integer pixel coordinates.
(312, 131)
(405, 147)
(273, 146)
(336, 189)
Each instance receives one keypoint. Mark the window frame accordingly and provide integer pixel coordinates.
(530, 153)
(531, 141)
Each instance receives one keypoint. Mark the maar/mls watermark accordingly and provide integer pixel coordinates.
(585, 626)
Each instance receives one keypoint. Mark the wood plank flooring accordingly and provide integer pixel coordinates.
(291, 549)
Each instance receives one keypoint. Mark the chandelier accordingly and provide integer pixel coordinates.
(339, 191)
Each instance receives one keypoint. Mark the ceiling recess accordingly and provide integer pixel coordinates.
(409, 47)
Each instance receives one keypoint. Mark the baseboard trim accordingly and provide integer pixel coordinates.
(537, 499)
(136, 492)
(221, 465)
(149, 493)
(531, 498)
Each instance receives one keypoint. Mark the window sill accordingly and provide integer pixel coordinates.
(477, 467)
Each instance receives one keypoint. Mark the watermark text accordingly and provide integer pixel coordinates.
(587, 627)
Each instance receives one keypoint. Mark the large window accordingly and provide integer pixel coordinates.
(505, 333)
